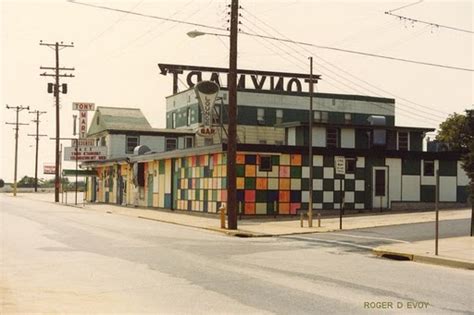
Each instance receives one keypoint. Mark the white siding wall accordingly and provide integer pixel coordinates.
(319, 137)
(410, 188)
(394, 179)
(347, 138)
(155, 143)
(428, 180)
(115, 145)
(291, 136)
(463, 180)
(447, 188)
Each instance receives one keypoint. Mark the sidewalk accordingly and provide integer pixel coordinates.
(454, 252)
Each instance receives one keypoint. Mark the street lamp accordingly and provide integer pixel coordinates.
(232, 115)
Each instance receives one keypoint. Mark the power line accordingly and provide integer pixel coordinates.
(354, 83)
(360, 52)
(406, 6)
(281, 39)
(147, 15)
(401, 17)
(37, 135)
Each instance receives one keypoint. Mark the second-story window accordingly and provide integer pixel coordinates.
(132, 142)
(279, 116)
(331, 137)
(188, 116)
(403, 141)
(428, 168)
(260, 116)
(171, 144)
(320, 116)
(347, 118)
(188, 142)
(173, 120)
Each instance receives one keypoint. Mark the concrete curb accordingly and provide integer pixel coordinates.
(427, 259)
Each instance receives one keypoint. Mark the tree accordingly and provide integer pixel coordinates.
(26, 182)
(455, 131)
(2, 183)
(458, 131)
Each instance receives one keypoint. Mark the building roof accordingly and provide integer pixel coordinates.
(118, 118)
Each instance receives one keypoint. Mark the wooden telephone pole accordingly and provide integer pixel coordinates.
(54, 88)
(37, 135)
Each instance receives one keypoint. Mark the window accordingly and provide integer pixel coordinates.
(265, 164)
(102, 141)
(132, 142)
(347, 118)
(403, 141)
(350, 165)
(319, 116)
(173, 120)
(428, 168)
(188, 116)
(260, 116)
(188, 142)
(279, 116)
(331, 137)
(171, 144)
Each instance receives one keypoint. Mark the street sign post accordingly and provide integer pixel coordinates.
(340, 169)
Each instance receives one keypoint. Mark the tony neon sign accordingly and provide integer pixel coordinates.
(246, 79)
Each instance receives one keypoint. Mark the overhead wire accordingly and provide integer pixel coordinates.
(346, 72)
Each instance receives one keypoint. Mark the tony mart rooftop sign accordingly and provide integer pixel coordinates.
(247, 79)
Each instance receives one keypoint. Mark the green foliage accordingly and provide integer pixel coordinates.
(27, 182)
(2, 183)
(458, 131)
(455, 131)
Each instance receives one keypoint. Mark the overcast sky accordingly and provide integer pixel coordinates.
(116, 56)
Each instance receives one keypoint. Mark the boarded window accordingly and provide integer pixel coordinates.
(171, 144)
(428, 168)
(350, 165)
(403, 141)
(379, 183)
(265, 164)
(132, 142)
(331, 137)
(279, 116)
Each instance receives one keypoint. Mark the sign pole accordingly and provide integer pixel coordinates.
(437, 213)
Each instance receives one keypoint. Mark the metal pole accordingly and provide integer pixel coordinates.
(232, 117)
(310, 145)
(36, 154)
(77, 143)
(340, 205)
(56, 91)
(437, 213)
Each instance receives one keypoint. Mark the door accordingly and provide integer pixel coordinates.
(119, 197)
(380, 187)
(150, 191)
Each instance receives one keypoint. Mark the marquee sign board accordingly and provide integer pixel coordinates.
(85, 142)
(85, 153)
(247, 79)
(83, 106)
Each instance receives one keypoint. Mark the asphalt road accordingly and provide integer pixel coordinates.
(366, 239)
(58, 259)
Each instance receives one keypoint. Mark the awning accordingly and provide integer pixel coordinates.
(67, 172)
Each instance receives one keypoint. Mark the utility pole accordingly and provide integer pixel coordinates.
(37, 121)
(310, 144)
(18, 109)
(54, 88)
(232, 117)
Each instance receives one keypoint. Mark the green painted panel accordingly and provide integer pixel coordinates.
(250, 183)
(275, 160)
(161, 168)
(411, 167)
(462, 194)
(447, 168)
(295, 171)
(240, 170)
(428, 193)
(361, 139)
(416, 141)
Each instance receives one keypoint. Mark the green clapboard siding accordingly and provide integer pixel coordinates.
(411, 167)
(416, 141)
(447, 168)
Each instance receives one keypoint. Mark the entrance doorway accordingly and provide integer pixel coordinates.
(380, 187)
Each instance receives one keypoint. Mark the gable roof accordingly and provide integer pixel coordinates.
(118, 118)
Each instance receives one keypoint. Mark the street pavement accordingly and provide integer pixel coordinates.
(457, 252)
(59, 259)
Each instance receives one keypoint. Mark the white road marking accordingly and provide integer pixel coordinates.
(371, 237)
(333, 242)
